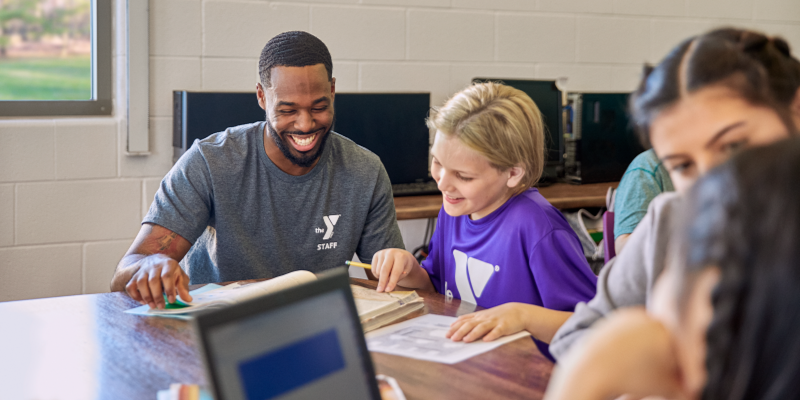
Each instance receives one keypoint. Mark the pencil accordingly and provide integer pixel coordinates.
(356, 264)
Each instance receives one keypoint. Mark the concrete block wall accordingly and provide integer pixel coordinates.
(71, 200)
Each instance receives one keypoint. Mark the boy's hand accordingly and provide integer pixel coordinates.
(392, 265)
(505, 319)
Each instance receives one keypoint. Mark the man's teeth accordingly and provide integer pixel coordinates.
(304, 142)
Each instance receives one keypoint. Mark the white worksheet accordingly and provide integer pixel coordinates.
(423, 338)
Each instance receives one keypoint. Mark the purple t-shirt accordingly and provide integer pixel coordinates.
(525, 251)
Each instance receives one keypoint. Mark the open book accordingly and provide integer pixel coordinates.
(374, 309)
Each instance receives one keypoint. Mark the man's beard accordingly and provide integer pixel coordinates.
(305, 160)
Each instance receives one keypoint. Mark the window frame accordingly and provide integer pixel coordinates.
(101, 103)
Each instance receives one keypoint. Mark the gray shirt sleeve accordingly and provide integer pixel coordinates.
(183, 203)
(628, 279)
(380, 229)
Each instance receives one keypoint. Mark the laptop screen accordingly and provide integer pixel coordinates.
(306, 349)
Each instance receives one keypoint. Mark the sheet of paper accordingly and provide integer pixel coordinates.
(145, 309)
(423, 338)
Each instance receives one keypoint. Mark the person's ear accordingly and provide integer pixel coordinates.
(262, 99)
(515, 175)
(333, 87)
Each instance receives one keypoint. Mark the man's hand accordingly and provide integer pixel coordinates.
(395, 267)
(505, 319)
(158, 274)
(150, 267)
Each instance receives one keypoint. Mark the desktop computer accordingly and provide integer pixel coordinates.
(549, 99)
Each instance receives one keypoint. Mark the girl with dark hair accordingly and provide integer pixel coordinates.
(712, 96)
(726, 313)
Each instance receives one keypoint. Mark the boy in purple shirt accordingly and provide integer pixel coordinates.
(498, 243)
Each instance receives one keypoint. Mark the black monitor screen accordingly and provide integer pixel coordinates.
(547, 97)
(391, 125)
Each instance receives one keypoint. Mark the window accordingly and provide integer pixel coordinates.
(55, 57)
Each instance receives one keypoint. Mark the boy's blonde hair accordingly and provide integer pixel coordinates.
(499, 122)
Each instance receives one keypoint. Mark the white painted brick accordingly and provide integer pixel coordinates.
(168, 74)
(40, 271)
(120, 21)
(360, 33)
(450, 35)
(613, 40)
(27, 150)
(626, 79)
(580, 78)
(6, 215)
(388, 77)
(511, 5)
(413, 232)
(175, 27)
(461, 75)
(413, 3)
(241, 29)
(790, 33)
(99, 263)
(527, 38)
(346, 74)
(649, 7)
(666, 34)
(778, 10)
(159, 161)
(740, 9)
(578, 6)
(334, 1)
(58, 212)
(151, 186)
(225, 75)
(86, 148)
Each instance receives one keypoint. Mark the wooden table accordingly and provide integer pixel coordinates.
(560, 195)
(85, 347)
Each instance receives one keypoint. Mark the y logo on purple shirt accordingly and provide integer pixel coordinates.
(472, 275)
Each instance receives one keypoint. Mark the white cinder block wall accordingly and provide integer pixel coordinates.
(71, 201)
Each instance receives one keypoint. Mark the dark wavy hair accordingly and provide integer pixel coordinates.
(760, 68)
(744, 218)
(293, 49)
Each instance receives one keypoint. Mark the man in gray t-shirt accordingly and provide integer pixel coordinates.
(264, 199)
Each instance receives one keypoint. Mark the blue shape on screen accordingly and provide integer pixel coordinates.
(297, 364)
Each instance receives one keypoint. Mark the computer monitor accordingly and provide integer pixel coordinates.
(547, 97)
(391, 125)
(301, 343)
(607, 141)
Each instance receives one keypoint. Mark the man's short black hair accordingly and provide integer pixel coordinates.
(293, 49)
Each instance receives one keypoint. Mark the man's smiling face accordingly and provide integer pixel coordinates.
(299, 105)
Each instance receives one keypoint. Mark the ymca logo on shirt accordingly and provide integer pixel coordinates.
(330, 222)
(472, 275)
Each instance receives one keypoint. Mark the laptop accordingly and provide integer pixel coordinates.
(301, 343)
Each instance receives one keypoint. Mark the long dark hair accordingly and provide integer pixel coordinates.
(744, 218)
(760, 68)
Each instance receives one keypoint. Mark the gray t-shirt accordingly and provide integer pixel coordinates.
(628, 279)
(247, 219)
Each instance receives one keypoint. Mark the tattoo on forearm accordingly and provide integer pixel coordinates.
(165, 241)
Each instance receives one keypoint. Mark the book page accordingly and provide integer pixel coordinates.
(424, 338)
(233, 293)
